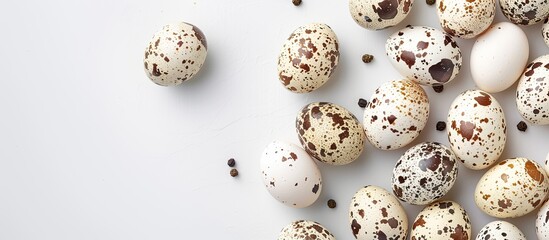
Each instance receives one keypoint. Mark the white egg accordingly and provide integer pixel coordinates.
(175, 54)
(424, 54)
(498, 57)
(379, 14)
(513, 188)
(396, 114)
(305, 230)
(308, 58)
(542, 222)
(533, 92)
(477, 131)
(376, 214)
(465, 18)
(500, 230)
(442, 220)
(290, 175)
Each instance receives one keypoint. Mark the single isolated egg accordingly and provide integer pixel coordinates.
(424, 54)
(513, 188)
(533, 92)
(290, 174)
(525, 12)
(545, 31)
(379, 14)
(308, 58)
(305, 230)
(442, 220)
(396, 114)
(465, 18)
(376, 214)
(477, 131)
(498, 57)
(500, 230)
(175, 54)
(542, 222)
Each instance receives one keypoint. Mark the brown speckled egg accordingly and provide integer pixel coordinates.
(545, 31)
(305, 230)
(513, 188)
(525, 12)
(175, 54)
(477, 131)
(375, 214)
(500, 230)
(379, 14)
(442, 220)
(542, 222)
(308, 58)
(533, 92)
(330, 133)
(424, 54)
(396, 114)
(425, 173)
(546, 166)
(465, 18)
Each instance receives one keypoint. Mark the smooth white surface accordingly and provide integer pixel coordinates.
(92, 149)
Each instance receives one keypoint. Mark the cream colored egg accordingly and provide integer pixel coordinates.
(465, 18)
(500, 230)
(379, 14)
(533, 92)
(305, 230)
(442, 220)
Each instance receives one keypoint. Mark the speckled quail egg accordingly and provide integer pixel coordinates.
(477, 131)
(425, 173)
(546, 166)
(442, 220)
(533, 92)
(375, 214)
(330, 133)
(396, 114)
(308, 58)
(500, 230)
(305, 230)
(513, 188)
(465, 18)
(290, 175)
(545, 31)
(379, 14)
(542, 222)
(525, 12)
(175, 54)
(424, 54)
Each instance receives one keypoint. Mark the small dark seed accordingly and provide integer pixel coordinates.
(522, 126)
(438, 88)
(367, 58)
(331, 203)
(231, 162)
(362, 102)
(296, 2)
(234, 172)
(431, 2)
(441, 126)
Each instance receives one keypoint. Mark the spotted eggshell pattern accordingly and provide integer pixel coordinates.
(379, 14)
(175, 54)
(533, 92)
(290, 175)
(477, 131)
(545, 31)
(396, 114)
(525, 12)
(542, 222)
(425, 173)
(305, 230)
(442, 220)
(465, 18)
(513, 188)
(330, 133)
(424, 54)
(375, 214)
(546, 166)
(500, 230)
(308, 58)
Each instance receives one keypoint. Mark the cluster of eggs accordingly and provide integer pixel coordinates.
(397, 113)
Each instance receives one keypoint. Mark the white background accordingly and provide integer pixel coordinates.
(92, 149)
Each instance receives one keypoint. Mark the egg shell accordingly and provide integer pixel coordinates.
(542, 222)
(465, 18)
(500, 230)
(175, 54)
(442, 220)
(425, 173)
(290, 175)
(308, 58)
(533, 92)
(330, 133)
(379, 14)
(305, 230)
(545, 31)
(477, 131)
(513, 188)
(498, 57)
(424, 54)
(525, 12)
(396, 114)
(376, 214)
(546, 166)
